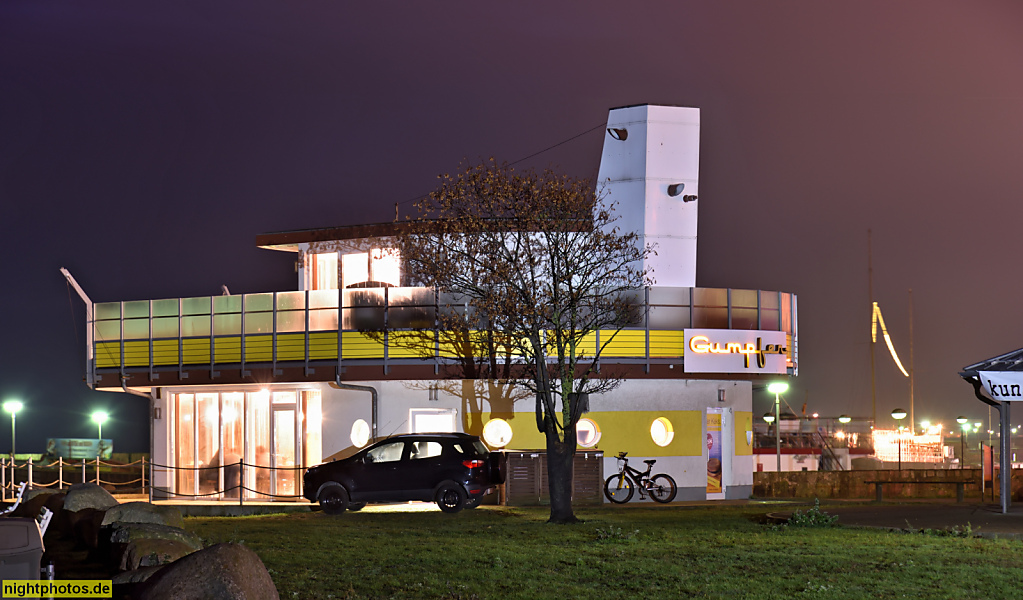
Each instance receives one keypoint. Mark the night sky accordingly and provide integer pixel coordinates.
(143, 145)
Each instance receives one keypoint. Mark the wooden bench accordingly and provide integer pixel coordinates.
(960, 485)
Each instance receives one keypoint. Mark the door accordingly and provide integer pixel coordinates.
(284, 451)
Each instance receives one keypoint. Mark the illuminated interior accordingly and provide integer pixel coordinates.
(923, 448)
(275, 435)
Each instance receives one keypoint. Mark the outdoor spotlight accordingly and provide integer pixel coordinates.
(898, 414)
(619, 133)
(961, 420)
(691, 198)
(13, 406)
(844, 419)
(675, 189)
(768, 418)
(778, 387)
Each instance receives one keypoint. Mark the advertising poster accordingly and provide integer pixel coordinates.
(77, 449)
(713, 453)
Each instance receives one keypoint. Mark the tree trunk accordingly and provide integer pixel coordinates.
(560, 475)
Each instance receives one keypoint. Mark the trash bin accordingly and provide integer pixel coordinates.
(21, 548)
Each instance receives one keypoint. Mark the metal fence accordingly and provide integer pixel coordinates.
(136, 477)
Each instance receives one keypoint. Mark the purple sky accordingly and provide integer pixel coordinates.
(144, 145)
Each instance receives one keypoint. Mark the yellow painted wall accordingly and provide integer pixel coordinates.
(620, 431)
(743, 422)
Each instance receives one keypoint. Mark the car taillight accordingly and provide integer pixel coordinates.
(473, 464)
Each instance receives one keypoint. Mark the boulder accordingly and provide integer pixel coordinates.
(88, 495)
(126, 533)
(32, 503)
(144, 512)
(138, 575)
(150, 552)
(87, 527)
(224, 571)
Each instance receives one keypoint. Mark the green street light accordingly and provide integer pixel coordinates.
(769, 418)
(13, 406)
(776, 388)
(843, 419)
(99, 417)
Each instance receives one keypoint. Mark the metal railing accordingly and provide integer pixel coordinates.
(136, 477)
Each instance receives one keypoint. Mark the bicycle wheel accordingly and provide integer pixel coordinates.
(618, 489)
(662, 488)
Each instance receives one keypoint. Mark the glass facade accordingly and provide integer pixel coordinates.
(231, 442)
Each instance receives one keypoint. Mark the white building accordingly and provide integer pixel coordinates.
(283, 380)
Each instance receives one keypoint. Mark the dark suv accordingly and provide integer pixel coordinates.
(455, 470)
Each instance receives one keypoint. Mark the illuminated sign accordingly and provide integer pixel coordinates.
(1004, 386)
(734, 351)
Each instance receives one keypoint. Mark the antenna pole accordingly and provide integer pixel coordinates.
(912, 422)
(870, 292)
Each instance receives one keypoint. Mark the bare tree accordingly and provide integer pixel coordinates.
(546, 280)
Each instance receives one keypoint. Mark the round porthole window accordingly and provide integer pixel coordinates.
(360, 433)
(661, 431)
(497, 433)
(587, 434)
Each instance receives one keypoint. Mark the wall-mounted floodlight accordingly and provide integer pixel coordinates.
(675, 189)
(690, 198)
(844, 419)
(619, 133)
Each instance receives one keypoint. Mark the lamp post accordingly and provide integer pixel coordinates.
(769, 418)
(898, 414)
(99, 417)
(963, 428)
(13, 406)
(776, 388)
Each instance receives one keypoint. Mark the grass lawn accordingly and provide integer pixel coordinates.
(658, 552)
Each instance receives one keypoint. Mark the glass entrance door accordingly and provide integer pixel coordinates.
(284, 451)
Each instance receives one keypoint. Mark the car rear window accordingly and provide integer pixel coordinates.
(476, 449)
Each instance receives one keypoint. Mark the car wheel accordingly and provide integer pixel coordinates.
(333, 499)
(451, 497)
(356, 506)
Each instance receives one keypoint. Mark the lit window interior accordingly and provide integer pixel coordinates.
(325, 271)
(661, 431)
(587, 434)
(497, 433)
(378, 266)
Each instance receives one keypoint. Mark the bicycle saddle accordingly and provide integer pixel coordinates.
(650, 462)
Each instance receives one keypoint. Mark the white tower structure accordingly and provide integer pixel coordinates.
(650, 167)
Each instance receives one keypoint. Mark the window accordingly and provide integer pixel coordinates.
(378, 266)
(587, 433)
(497, 433)
(422, 450)
(360, 433)
(432, 420)
(661, 431)
(325, 271)
(386, 453)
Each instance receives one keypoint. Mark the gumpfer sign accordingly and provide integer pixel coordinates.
(1004, 386)
(734, 351)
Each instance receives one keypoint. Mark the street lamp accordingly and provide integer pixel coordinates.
(776, 388)
(99, 417)
(844, 419)
(965, 426)
(13, 406)
(898, 414)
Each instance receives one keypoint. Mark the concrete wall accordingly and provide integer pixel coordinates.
(852, 484)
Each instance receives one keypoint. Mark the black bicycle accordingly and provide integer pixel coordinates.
(620, 487)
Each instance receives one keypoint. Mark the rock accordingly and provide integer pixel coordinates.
(151, 552)
(88, 495)
(144, 512)
(31, 503)
(135, 576)
(224, 571)
(87, 527)
(126, 533)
